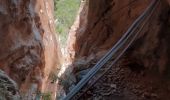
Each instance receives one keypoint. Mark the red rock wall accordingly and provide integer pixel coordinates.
(151, 50)
(29, 50)
(101, 23)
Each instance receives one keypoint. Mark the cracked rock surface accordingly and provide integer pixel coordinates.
(8, 88)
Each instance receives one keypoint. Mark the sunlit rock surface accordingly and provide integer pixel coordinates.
(29, 51)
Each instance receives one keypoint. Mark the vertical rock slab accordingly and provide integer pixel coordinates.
(100, 24)
(29, 51)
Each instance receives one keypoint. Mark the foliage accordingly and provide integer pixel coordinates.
(46, 96)
(43, 96)
(65, 14)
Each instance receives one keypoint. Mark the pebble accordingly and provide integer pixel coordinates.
(113, 86)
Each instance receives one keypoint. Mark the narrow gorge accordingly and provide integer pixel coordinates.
(35, 66)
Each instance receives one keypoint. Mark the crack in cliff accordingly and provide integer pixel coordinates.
(109, 8)
(103, 18)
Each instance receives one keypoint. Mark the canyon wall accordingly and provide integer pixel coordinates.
(29, 51)
(143, 72)
(101, 23)
(30, 54)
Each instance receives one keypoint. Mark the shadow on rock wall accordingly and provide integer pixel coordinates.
(99, 26)
(29, 50)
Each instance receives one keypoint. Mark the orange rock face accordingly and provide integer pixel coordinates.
(29, 48)
(100, 24)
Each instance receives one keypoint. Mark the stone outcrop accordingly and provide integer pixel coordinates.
(8, 88)
(29, 51)
(100, 24)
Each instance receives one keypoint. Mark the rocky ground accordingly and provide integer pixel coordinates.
(128, 81)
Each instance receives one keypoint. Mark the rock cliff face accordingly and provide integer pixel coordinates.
(100, 25)
(29, 50)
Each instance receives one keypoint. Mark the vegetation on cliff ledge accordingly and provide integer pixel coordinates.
(65, 14)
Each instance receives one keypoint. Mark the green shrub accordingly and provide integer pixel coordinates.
(46, 96)
(43, 96)
(65, 14)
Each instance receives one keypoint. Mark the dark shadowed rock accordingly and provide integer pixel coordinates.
(8, 88)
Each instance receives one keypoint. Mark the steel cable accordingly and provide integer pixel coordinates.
(118, 57)
(115, 48)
